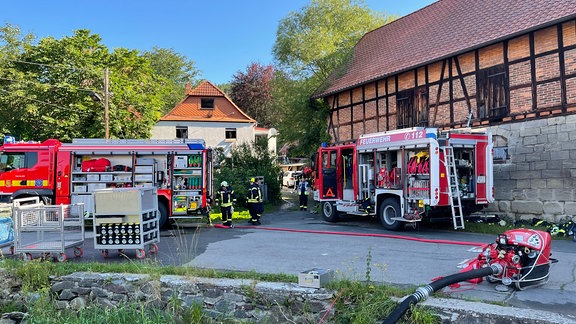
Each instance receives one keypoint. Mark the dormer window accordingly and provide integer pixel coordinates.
(207, 103)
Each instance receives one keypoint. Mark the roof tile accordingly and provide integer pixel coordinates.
(190, 109)
(440, 30)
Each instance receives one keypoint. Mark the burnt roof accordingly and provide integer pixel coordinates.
(440, 30)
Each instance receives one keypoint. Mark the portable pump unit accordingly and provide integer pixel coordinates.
(523, 254)
(519, 256)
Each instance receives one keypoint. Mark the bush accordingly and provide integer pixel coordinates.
(248, 161)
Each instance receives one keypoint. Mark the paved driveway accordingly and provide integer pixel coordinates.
(294, 241)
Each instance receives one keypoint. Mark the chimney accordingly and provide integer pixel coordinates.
(188, 88)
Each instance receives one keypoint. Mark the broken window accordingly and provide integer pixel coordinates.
(501, 154)
(492, 93)
(412, 108)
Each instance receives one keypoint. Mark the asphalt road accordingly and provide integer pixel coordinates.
(291, 241)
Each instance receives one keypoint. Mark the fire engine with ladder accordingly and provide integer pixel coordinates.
(402, 176)
(68, 173)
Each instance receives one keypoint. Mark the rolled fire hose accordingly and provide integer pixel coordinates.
(424, 292)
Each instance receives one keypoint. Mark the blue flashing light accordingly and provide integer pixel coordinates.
(324, 144)
(431, 135)
(9, 139)
(195, 146)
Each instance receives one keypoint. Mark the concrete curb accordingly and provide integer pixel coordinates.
(461, 311)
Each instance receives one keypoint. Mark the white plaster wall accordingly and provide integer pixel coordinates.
(211, 132)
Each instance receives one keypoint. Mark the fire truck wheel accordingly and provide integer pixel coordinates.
(329, 212)
(389, 209)
(163, 211)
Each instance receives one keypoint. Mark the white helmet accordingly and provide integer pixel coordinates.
(224, 184)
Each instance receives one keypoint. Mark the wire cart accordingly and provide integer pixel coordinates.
(6, 227)
(126, 218)
(47, 229)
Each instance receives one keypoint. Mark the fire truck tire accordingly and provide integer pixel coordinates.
(163, 211)
(390, 208)
(329, 212)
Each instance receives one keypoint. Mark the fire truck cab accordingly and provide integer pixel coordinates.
(401, 176)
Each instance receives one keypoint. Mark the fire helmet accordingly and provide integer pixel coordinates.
(224, 184)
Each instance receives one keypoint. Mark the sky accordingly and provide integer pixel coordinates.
(221, 37)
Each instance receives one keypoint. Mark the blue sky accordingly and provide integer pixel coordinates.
(222, 37)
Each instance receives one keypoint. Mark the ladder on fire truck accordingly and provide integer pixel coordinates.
(453, 188)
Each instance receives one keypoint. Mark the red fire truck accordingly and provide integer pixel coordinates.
(403, 175)
(64, 173)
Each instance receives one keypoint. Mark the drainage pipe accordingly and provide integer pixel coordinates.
(424, 292)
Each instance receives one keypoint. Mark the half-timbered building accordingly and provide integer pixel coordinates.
(509, 66)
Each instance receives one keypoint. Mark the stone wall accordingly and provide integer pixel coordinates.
(245, 300)
(538, 177)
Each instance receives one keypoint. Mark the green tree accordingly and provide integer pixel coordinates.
(176, 70)
(313, 41)
(310, 45)
(52, 87)
(303, 124)
(251, 91)
(137, 95)
(12, 45)
(249, 160)
(52, 83)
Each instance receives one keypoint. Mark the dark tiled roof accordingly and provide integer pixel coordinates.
(224, 109)
(440, 30)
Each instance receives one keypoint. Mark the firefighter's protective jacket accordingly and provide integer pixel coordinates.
(254, 194)
(303, 188)
(226, 196)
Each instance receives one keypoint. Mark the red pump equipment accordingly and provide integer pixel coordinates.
(524, 255)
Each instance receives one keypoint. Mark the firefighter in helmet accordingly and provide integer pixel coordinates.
(225, 197)
(254, 201)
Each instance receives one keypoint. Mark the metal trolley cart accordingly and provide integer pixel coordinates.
(6, 227)
(126, 218)
(47, 229)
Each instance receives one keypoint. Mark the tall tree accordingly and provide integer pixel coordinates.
(176, 70)
(56, 78)
(53, 83)
(251, 91)
(12, 44)
(310, 44)
(314, 40)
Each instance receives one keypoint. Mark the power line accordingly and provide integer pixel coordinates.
(42, 102)
(56, 66)
(48, 84)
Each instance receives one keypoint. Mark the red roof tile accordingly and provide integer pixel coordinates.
(440, 30)
(224, 109)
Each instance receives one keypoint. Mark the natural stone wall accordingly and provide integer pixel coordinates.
(538, 178)
(244, 300)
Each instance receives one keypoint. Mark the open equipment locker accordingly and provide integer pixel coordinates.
(126, 218)
(47, 229)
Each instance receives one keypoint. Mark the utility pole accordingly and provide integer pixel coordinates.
(106, 114)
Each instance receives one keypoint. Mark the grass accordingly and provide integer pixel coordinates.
(356, 301)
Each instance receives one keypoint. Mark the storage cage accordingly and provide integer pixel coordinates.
(47, 229)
